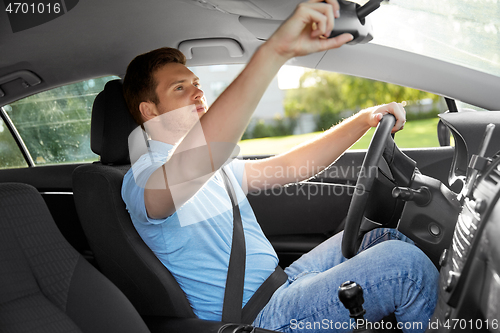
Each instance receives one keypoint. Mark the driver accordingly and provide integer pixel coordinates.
(178, 203)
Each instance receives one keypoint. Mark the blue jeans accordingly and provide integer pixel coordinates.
(396, 277)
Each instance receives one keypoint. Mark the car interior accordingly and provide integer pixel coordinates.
(71, 257)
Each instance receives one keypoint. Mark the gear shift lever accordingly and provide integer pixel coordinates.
(351, 295)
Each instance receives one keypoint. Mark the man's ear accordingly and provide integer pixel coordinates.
(148, 110)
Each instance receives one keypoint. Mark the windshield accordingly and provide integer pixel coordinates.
(462, 32)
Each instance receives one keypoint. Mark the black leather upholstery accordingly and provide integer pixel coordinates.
(119, 250)
(45, 284)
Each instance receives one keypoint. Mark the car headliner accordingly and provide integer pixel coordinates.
(98, 38)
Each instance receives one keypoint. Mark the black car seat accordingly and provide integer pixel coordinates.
(45, 284)
(119, 251)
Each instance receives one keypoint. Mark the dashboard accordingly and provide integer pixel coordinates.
(469, 286)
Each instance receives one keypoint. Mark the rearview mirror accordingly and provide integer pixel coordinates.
(353, 19)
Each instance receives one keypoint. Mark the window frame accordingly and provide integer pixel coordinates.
(17, 138)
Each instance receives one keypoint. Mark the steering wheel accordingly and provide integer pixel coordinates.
(402, 169)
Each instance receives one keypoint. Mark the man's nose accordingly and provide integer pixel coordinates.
(198, 93)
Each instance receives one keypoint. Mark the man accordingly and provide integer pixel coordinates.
(177, 200)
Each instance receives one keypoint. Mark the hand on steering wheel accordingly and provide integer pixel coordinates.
(402, 168)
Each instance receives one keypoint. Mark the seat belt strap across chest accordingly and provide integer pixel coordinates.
(233, 296)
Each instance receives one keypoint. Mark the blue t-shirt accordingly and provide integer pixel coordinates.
(195, 242)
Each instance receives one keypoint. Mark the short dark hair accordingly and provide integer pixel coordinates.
(139, 84)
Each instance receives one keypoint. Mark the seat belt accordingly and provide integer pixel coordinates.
(233, 295)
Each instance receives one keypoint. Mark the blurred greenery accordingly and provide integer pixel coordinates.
(280, 126)
(332, 97)
(416, 134)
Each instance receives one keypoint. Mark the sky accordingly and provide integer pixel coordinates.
(288, 77)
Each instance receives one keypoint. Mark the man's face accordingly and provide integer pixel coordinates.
(181, 99)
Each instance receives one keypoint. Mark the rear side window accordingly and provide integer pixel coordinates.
(10, 154)
(55, 124)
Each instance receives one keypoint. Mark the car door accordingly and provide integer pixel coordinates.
(300, 216)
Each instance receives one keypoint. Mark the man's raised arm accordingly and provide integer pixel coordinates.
(206, 150)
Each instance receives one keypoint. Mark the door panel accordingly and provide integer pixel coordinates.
(55, 178)
(298, 217)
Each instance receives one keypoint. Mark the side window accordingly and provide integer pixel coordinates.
(300, 103)
(55, 124)
(10, 154)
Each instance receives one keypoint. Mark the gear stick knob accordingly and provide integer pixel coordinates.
(351, 295)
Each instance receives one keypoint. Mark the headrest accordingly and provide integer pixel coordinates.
(111, 125)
